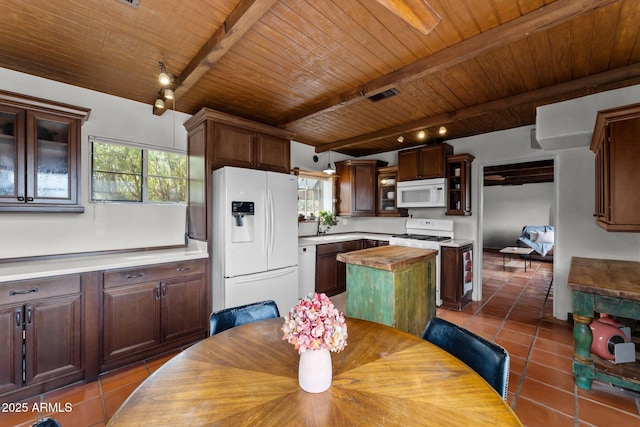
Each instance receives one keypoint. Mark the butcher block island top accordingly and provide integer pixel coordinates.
(388, 258)
(610, 277)
(392, 285)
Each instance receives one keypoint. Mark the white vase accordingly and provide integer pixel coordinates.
(315, 370)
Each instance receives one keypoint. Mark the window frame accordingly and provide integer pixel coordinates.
(144, 172)
(326, 201)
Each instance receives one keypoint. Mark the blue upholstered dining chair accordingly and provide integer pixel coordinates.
(487, 358)
(236, 316)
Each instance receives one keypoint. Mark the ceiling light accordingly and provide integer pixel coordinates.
(164, 77)
(400, 139)
(421, 134)
(168, 93)
(159, 102)
(442, 130)
(329, 170)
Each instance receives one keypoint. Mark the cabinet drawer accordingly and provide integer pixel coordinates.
(128, 276)
(29, 290)
(327, 248)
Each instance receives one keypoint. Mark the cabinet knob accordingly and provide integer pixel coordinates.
(18, 318)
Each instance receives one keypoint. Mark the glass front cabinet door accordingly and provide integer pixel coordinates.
(39, 156)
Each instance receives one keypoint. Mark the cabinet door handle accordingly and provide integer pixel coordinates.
(158, 292)
(164, 289)
(18, 314)
(29, 315)
(20, 199)
(180, 269)
(23, 292)
(135, 276)
(29, 199)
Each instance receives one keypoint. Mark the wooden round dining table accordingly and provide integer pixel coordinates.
(247, 376)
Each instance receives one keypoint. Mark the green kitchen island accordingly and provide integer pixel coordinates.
(392, 285)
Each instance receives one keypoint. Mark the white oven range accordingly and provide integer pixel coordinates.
(426, 234)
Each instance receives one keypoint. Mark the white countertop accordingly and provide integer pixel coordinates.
(81, 264)
(457, 243)
(343, 237)
(340, 237)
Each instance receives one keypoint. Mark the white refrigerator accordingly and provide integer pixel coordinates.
(255, 238)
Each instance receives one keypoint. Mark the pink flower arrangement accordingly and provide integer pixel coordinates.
(315, 323)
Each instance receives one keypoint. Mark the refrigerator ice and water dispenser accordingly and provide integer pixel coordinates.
(242, 229)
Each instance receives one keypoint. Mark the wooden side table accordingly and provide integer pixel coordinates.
(514, 250)
(602, 286)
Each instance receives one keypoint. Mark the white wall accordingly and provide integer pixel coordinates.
(576, 231)
(509, 208)
(102, 226)
(569, 124)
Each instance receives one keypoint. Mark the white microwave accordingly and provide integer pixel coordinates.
(422, 193)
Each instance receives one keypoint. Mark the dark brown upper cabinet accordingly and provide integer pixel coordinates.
(424, 162)
(40, 144)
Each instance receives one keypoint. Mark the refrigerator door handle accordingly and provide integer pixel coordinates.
(267, 211)
(272, 226)
(270, 275)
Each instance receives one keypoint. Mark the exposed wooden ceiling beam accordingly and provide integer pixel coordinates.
(417, 13)
(539, 96)
(239, 21)
(519, 173)
(544, 18)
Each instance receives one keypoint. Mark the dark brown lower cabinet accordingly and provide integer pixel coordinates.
(456, 276)
(40, 332)
(331, 275)
(152, 309)
(59, 330)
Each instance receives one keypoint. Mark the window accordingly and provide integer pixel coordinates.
(126, 173)
(314, 194)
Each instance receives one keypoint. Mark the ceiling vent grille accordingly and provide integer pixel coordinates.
(384, 95)
(132, 3)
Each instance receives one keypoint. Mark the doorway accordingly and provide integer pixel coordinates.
(514, 195)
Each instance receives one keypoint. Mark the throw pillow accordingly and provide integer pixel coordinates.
(544, 237)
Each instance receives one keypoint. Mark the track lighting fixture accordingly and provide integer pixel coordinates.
(442, 130)
(159, 101)
(421, 134)
(166, 92)
(164, 77)
(400, 139)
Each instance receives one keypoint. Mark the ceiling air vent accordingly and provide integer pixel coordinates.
(384, 95)
(132, 3)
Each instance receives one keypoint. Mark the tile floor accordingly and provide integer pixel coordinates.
(515, 312)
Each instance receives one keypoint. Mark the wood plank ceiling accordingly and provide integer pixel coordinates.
(309, 66)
